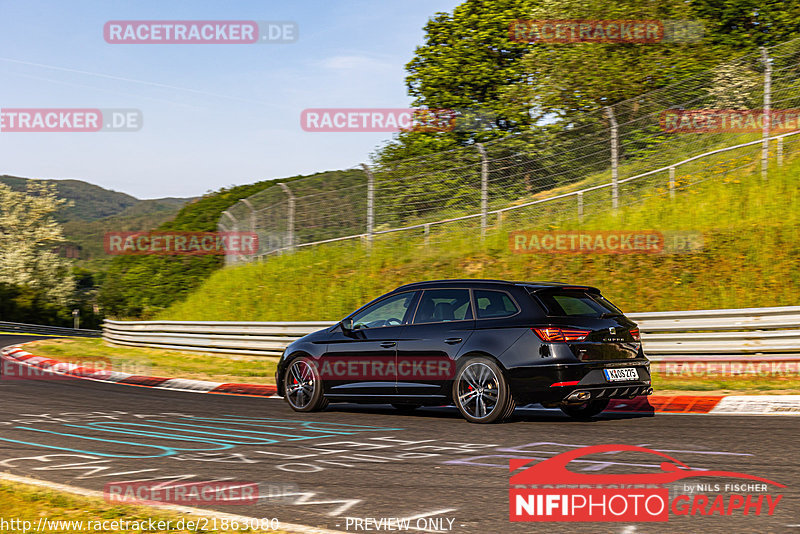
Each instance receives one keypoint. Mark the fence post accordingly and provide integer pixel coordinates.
(231, 217)
(484, 187)
(672, 182)
(231, 258)
(614, 158)
(427, 232)
(580, 206)
(766, 110)
(289, 216)
(370, 202)
(252, 215)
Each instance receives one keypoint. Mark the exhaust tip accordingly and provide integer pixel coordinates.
(579, 396)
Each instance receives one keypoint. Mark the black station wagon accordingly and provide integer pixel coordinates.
(485, 346)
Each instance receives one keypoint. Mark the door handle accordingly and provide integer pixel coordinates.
(452, 340)
(388, 344)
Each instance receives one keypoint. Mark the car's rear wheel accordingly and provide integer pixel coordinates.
(586, 410)
(302, 386)
(480, 391)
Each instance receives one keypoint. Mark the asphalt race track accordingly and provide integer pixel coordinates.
(370, 462)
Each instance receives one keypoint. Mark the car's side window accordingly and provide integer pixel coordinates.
(388, 312)
(442, 305)
(494, 304)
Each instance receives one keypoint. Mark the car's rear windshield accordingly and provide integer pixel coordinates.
(576, 303)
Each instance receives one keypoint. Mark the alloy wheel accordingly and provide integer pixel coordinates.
(301, 384)
(478, 390)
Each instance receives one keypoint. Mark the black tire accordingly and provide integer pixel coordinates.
(587, 410)
(480, 391)
(302, 386)
(405, 408)
(512, 405)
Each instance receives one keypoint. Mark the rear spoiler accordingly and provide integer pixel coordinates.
(544, 289)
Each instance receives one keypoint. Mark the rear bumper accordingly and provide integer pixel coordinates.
(555, 383)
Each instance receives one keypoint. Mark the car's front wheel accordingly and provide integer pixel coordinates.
(480, 391)
(586, 410)
(302, 386)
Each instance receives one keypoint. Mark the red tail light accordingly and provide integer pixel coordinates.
(635, 334)
(552, 334)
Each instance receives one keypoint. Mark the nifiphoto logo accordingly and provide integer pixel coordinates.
(547, 491)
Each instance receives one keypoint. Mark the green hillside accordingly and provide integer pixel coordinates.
(87, 236)
(751, 253)
(88, 201)
(93, 210)
(141, 286)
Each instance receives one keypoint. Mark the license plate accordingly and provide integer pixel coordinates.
(621, 375)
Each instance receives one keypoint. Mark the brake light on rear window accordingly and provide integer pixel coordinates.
(635, 334)
(553, 335)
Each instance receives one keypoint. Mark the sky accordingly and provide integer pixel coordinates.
(213, 115)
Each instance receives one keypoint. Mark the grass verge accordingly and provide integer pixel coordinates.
(727, 385)
(261, 370)
(70, 513)
(158, 362)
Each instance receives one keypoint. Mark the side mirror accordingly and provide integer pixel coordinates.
(347, 324)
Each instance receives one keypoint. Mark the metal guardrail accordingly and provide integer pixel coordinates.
(665, 335)
(23, 328)
(259, 338)
(744, 331)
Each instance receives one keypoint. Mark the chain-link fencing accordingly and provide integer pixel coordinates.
(659, 143)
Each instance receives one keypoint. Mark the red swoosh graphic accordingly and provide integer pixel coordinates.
(554, 470)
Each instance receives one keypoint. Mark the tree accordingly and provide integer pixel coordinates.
(571, 79)
(466, 63)
(746, 24)
(28, 236)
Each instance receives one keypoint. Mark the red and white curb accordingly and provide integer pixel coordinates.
(675, 404)
(711, 404)
(16, 354)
